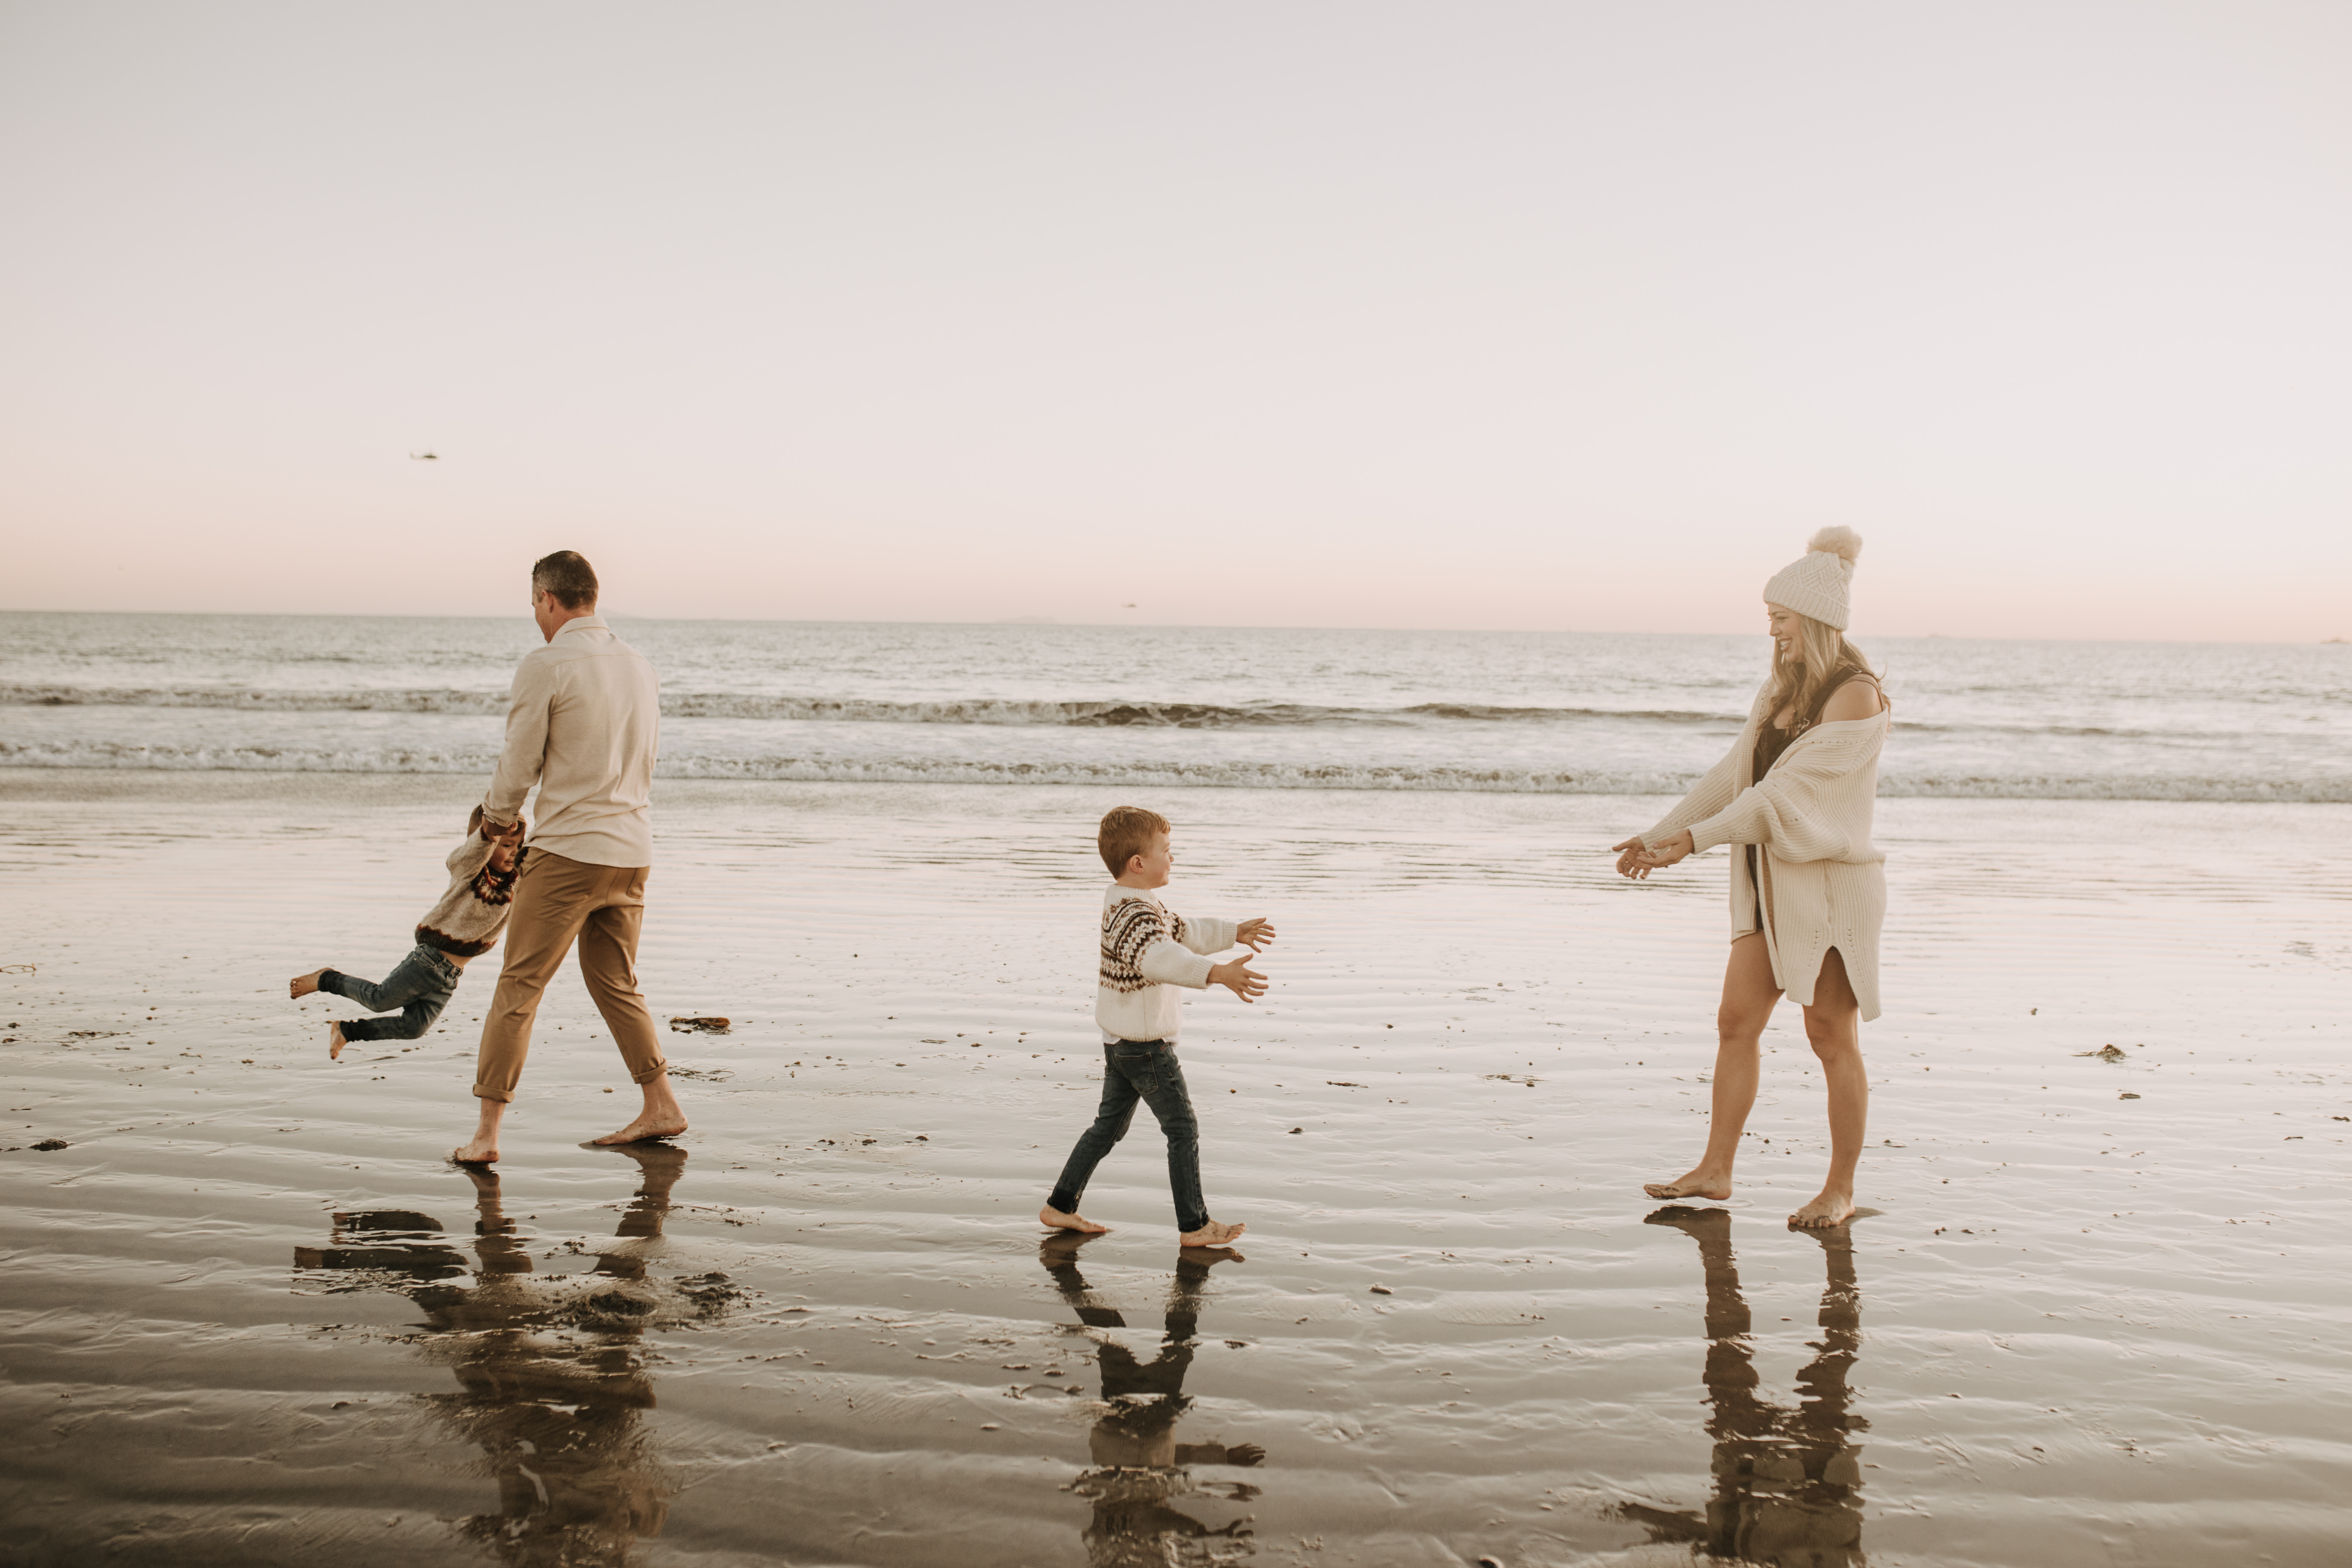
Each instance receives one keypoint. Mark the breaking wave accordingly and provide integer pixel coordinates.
(1012, 711)
(1159, 773)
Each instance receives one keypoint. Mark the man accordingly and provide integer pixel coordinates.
(585, 712)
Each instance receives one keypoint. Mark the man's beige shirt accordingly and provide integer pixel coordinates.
(583, 725)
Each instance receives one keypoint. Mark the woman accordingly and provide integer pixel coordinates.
(1808, 889)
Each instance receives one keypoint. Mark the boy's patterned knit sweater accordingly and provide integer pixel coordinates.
(1147, 951)
(467, 920)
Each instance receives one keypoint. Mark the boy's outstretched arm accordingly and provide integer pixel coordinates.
(1236, 977)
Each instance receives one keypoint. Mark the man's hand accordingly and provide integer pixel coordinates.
(1236, 977)
(1255, 935)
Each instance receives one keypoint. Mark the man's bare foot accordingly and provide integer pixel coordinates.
(652, 1124)
(1055, 1219)
(335, 1042)
(1700, 1183)
(476, 1151)
(1831, 1208)
(302, 986)
(1211, 1235)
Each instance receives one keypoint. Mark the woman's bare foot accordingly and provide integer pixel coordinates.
(1701, 1183)
(302, 986)
(1211, 1235)
(1057, 1220)
(649, 1125)
(1831, 1208)
(335, 1042)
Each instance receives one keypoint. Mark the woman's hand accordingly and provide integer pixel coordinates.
(1637, 860)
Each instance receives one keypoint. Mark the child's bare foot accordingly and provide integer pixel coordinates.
(1833, 1207)
(335, 1042)
(1700, 1183)
(1211, 1235)
(478, 1149)
(650, 1124)
(1055, 1219)
(302, 986)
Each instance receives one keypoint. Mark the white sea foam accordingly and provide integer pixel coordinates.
(1159, 775)
(1170, 708)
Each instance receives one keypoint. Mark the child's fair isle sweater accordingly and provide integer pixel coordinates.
(1148, 951)
(467, 920)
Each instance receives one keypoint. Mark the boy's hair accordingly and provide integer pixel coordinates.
(1126, 831)
(568, 577)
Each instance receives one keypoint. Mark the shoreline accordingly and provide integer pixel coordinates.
(253, 1314)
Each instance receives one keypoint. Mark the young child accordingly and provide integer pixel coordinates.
(464, 925)
(1147, 953)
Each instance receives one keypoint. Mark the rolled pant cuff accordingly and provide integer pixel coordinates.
(484, 1091)
(643, 1075)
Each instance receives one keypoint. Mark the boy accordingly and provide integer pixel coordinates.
(464, 925)
(1147, 953)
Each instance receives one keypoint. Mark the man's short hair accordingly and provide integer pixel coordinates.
(1126, 831)
(568, 577)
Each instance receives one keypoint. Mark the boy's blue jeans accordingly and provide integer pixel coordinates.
(1145, 1070)
(420, 987)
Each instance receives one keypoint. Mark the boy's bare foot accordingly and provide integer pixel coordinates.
(1831, 1208)
(650, 1124)
(302, 986)
(335, 1042)
(1211, 1235)
(1055, 1219)
(1700, 1183)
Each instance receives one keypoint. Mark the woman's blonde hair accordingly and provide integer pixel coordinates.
(1825, 659)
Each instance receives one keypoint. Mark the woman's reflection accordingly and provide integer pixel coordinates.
(1138, 1464)
(1788, 1484)
(552, 1368)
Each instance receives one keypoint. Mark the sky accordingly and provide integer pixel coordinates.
(1552, 315)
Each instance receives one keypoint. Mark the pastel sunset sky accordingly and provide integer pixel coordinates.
(1352, 313)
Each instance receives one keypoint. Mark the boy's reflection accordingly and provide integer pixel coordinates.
(552, 1368)
(1139, 1464)
(1788, 1484)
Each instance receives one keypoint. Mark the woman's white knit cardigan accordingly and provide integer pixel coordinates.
(1824, 881)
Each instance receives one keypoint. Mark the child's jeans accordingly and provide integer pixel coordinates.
(420, 987)
(1145, 1070)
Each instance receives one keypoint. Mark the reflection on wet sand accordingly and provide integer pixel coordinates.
(551, 1368)
(1139, 1465)
(1788, 1484)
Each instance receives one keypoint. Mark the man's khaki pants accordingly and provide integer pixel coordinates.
(556, 901)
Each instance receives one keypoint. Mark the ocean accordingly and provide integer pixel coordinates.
(1577, 713)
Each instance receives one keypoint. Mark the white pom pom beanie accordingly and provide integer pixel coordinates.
(1820, 582)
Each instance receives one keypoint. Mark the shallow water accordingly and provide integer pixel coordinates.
(1568, 713)
(250, 1317)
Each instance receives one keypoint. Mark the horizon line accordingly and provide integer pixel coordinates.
(1034, 622)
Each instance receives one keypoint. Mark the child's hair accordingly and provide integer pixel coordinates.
(1126, 831)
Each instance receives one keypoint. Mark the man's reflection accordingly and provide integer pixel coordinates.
(551, 1368)
(1138, 1464)
(1788, 1484)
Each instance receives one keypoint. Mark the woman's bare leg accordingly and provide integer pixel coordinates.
(1748, 995)
(1833, 1025)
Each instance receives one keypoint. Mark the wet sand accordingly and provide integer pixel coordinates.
(250, 1317)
